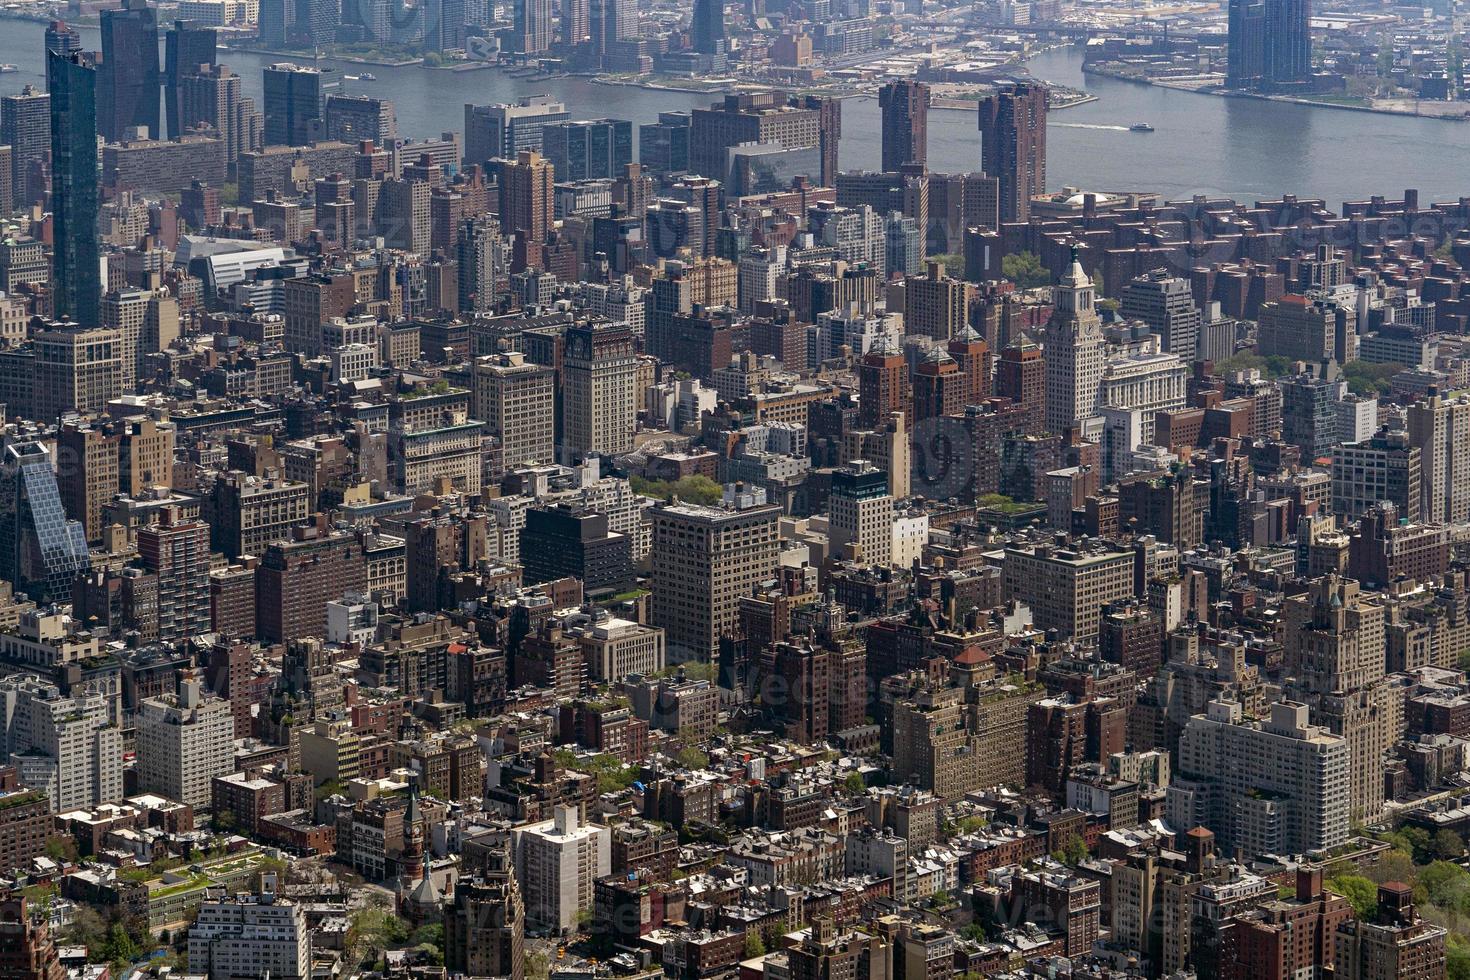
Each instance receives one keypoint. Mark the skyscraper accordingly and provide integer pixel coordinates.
(1075, 352)
(1013, 144)
(527, 204)
(176, 551)
(187, 46)
(293, 104)
(62, 39)
(25, 127)
(532, 30)
(271, 26)
(707, 29)
(1166, 304)
(128, 93)
(589, 149)
(599, 375)
(41, 551)
(905, 108)
(576, 22)
(77, 264)
(317, 21)
(1269, 43)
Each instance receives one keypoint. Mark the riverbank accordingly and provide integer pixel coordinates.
(1207, 85)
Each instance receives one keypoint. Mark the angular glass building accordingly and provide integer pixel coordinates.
(41, 551)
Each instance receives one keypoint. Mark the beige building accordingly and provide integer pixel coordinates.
(77, 370)
(935, 305)
(184, 741)
(599, 397)
(556, 863)
(513, 400)
(704, 559)
(1066, 588)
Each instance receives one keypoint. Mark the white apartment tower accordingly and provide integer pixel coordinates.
(184, 741)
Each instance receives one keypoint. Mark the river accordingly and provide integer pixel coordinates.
(1240, 148)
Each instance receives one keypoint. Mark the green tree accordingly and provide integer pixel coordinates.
(692, 758)
(754, 944)
(1447, 845)
(694, 489)
(1073, 852)
(120, 946)
(954, 264)
(1360, 892)
(854, 783)
(62, 849)
(1025, 270)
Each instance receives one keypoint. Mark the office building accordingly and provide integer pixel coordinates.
(904, 105)
(792, 122)
(703, 560)
(514, 401)
(935, 305)
(596, 149)
(189, 46)
(128, 86)
(663, 147)
(76, 370)
(1075, 354)
(1394, 943)
(184, 741)
(556, 863)
(861, 514)
(599, 397)
(1013, 145)
(62, 39)
(707, 27)
(76, 279)
(213, 96)
(1301, 328)
(1387, 467)
(1278, 786)
(293, 104)
(1067, 588)
(502, 131)
(246, 513)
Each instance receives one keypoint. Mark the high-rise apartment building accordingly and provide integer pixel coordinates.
(793, 122)
(1279, 786)
(1013, 145)
(704, 559)
(1067, 588)
(76, 275)
(70, 746)
(1269, 43)
(556, 863)
(1393, 944)
(1439, 428)
(528, 204)
(1166, 304)
(127, 93)
(351, 118)
(599, 378)
(25, 127)
(247, 935)
(184, 741)
(1075, 353)
(176, 552)
(935, 305)
(707, 27)
(533, 28)
(904, 105)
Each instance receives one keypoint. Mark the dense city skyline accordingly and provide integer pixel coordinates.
(556, 545)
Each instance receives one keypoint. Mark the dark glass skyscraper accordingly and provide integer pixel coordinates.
(707, 32)
(187, 45)
(293, 104)
(76, 275)
(1013, 144)
(905, 108)
(590, 149)
(1270, 43)
(128, 94)
(41, 551)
